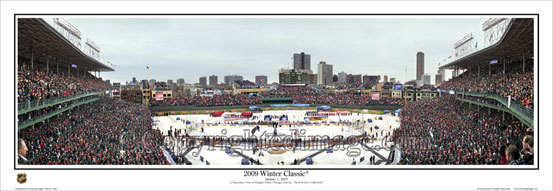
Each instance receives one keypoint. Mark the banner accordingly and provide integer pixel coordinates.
(509, 102)
(315, 118)
(159, 96)
(398, 87)
(375, 95)
(289, 105)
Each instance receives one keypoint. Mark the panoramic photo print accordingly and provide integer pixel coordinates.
(298, 91)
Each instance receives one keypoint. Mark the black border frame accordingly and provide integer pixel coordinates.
(269, 14)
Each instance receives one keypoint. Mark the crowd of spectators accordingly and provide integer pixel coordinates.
(293, 91)
(518, 85)
(204, 101)
(443, 131)
(299, 94)
(108, 131)
(345, 99)
(36, 85)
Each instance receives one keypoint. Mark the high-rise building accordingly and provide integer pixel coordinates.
(334, 78)
(144, 84)
(302, 61)
(213, 80)
(342, 77)
(133, 82)
(439, 79)
(180, 81)
(420, 65)
(370, 79)
(169, 82)
(261, 80)
(230, 79)
(442, 72)
(203, 81)
(312, 79)
(353, 79)
(152, 82)
(385, 79)
(426, 79)
(324, 74)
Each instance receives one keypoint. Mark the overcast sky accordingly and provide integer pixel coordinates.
(192, 47)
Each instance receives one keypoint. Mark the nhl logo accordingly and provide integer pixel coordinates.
(21, 178)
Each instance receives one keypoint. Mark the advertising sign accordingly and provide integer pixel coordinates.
(159, 96)
(398, 86)
(375, 95)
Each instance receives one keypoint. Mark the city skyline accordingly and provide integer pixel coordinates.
(261, 46)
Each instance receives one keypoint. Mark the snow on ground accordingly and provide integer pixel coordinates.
(215, 126)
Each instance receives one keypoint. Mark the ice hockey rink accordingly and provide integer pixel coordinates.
(333, 126)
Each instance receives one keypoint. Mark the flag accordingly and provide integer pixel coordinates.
(476, 45)
(491, 36)
(147, 67)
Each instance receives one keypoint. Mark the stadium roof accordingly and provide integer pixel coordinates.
(518, 39)
(47, 41)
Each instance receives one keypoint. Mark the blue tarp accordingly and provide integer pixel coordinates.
(329, 150)
(370, 120)
(309, 161)
(256, 108)
(245, 161)
(178, 118)
(386, 111)
(362, 159)
(354, 163)
(376, 127)
(323, 107)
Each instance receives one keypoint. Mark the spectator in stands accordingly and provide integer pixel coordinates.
(513, 155)
(528, 150)
(94, 133)
(21, 151)
(445, 131)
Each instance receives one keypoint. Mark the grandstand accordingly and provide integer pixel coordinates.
(64, 116)
(512, 78)
(490, 111)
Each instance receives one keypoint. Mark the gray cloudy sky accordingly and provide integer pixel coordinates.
(193, 47)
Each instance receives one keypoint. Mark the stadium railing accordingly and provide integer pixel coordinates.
(26, 107)
(52, 114)
(516, 107)
(527, 120)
